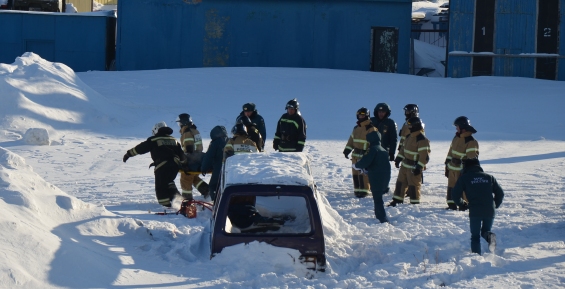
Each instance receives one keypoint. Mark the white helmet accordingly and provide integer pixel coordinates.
(157, 126)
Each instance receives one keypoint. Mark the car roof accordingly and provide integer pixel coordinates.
(268, 169)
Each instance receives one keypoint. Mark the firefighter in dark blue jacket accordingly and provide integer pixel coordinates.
(291, 130)
(376, 162)
(387, 128)
(212, 160)
(484, 195)
(167, 156)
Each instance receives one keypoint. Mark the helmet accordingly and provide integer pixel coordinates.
(250, 106)
(157, 126)
(464, 123)
(184, 119)
(411, 109)
(244, 120)
(292, 104)
(239, 128)
(363, 112)
(415, 124)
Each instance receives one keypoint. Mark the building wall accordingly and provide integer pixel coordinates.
(516, 32)
(157, 34)
(81, 42)
(82, 5)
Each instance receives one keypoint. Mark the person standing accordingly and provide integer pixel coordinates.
(377, 163)
(414, 155)
(387, 128)
(250, 110)
(239, 143)
(410, 110)
(213, 158)
(291, 130)
(484, 195)
(463, 146)
(167, 156)
(192, 145)
(359, 145)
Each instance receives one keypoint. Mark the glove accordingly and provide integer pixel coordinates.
(446, 172)
(391, 156)
(126, 157)
(397, 161)
(355, 168)
(276, 145)
(417, 170)
(346, 153)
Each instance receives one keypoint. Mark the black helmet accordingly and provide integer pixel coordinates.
(239, 128)
(184, 119)
(364, 112)
(250, 106)
(415, 124)
(244, 120)
(464, 123)
(292, 104)
(411, 110)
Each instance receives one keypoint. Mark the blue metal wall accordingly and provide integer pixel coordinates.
(156, 34)
(81, 42)
(515, 33)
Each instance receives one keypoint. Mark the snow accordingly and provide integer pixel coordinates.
(73, 215)
(273, 168)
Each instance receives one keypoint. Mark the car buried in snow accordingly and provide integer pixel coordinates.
(271, 198)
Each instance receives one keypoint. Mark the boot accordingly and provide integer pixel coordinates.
(360, 194)
(464, 207)
(451, 206)
(394, 202)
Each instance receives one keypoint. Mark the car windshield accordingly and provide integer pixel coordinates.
(268, 215)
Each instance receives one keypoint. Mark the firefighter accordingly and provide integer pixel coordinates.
(387, 128)
(252, 131)
(414, 155)
(239, 143)
(250, 110)
(167, 157)
(291, 130)
(214, 157)
(359, 145)
(410, 110)
(463, 146)
(191, 142)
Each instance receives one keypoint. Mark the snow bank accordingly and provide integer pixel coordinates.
(37, 136)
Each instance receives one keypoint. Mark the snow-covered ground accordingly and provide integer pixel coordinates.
(73, 215)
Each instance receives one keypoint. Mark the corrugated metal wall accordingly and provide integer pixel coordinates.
(156, 34)
(515, 33)
(82, 5)
(81, 42)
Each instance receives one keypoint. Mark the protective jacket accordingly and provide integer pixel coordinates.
(415, 151)
(483, 192)
(214, 156)
(387, 128)
(164, 149)
(463, 146)
(190, 139)
(376, 162)
(238, 144)
(291, 133)
(357, 142)
(259, 122)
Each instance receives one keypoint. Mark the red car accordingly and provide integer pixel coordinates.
(271, 198)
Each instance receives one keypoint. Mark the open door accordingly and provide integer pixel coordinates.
(483, 36)
(384, 49)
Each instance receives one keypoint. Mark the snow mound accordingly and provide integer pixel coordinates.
(37, 136)
(37, 93)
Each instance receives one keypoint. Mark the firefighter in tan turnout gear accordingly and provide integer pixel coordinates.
(358, 144)
(410, 110)
(239, 143)
(463, 146)
(414, 155)
(191, 142)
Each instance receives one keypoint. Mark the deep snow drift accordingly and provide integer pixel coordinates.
(73, 215)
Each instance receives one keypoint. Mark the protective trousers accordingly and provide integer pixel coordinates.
(361, 186)
(407, 184)
(165, 187)
(186, 183)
